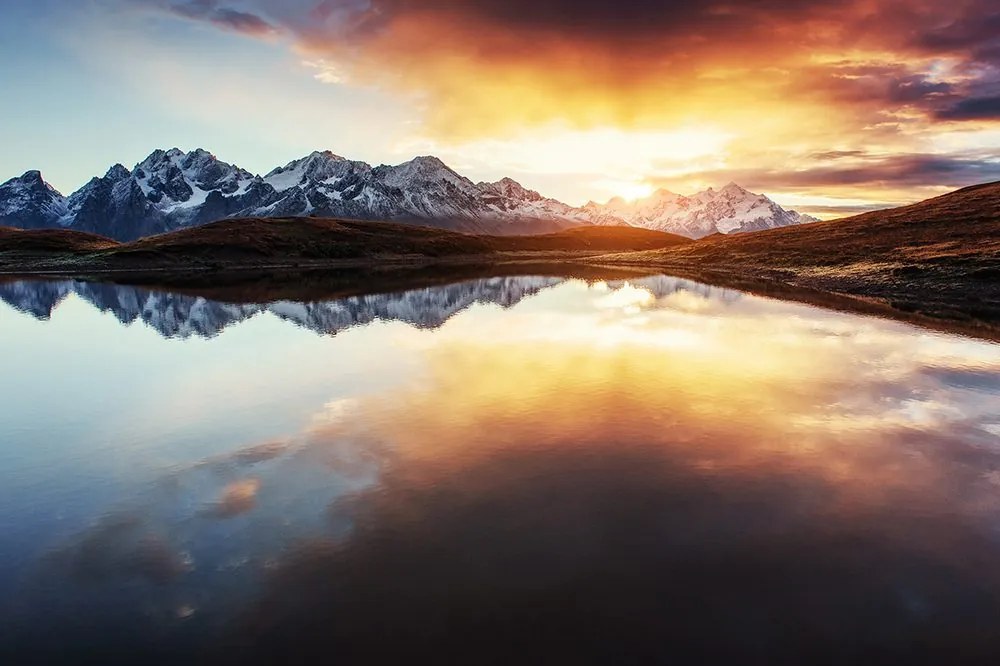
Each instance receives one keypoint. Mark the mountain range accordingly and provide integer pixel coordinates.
(172, 190)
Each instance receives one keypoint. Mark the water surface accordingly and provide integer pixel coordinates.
(510, 470)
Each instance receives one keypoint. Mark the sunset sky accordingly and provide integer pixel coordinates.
(828, 106)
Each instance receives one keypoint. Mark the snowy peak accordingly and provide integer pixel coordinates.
(171, 177)
(29, 179)
(30, 182)
(425, 169)
(730, 209)
(117, 172)
(511, 189)
(28, 202)
(316, 167)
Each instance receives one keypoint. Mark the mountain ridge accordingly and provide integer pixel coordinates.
(171, 190)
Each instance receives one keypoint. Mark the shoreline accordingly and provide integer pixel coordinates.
(245, 282)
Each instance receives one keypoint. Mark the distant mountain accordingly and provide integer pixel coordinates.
(172, 190)
(29, 202)
(731, 209)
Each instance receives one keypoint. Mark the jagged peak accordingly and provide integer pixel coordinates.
(424, 164)
(31, 179)
(733, 188)
(160, 155)
(117, 172)
(429, 160)
(312, 158)
(153, 159)
(328, 154)
(427, 167)
(511, 188)
(31, 176)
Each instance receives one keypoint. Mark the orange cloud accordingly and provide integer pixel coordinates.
(788, 80)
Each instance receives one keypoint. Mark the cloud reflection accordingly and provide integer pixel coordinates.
(795, 487)
(639, 471)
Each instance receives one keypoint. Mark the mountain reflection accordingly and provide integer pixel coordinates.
(642, 471)
(174, 315)
(180, 316)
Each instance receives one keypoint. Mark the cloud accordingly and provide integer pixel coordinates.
(485, 66)
(975, 29)
(122, 545)
(856, 168)
(647, 486)
(977, 108)
(223, 17)
(236, 498)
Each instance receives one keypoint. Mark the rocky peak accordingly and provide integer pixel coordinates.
(117, 172)
(510, 188)
(425, 168)
(30, 183)
(31, 178)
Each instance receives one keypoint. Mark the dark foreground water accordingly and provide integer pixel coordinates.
(504, 471)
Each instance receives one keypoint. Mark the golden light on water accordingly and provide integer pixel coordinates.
(711, 376)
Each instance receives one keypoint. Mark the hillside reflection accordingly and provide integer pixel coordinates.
(642, 471)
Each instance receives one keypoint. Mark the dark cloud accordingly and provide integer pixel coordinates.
(844, 211)
(121, 546)
(606, 20)
(975, 29)
(224, 17)
(917, 87)
(845, 169)
(976, 108)
(987, 381)
(595, 554)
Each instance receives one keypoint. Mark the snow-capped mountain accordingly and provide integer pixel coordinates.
(28, 202)
(731, 209)
(171, 190)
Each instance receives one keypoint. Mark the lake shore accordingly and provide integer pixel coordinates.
(921, 300)
(935, 263)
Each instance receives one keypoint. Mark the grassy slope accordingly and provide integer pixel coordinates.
(939, 257)
(302, 241)
(43, 241)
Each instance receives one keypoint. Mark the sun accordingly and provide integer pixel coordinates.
(632, 190)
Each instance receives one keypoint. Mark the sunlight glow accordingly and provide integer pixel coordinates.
(627, 189)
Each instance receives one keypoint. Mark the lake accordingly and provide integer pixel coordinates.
(498, 471)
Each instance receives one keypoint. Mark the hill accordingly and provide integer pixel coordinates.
(939, 257)
(303, 243)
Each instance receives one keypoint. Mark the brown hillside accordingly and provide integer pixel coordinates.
(939, 257)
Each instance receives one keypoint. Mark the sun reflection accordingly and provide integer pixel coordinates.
(656, 438)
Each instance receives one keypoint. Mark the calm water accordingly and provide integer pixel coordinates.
(503, 471)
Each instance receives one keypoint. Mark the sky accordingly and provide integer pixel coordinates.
(828, 106)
